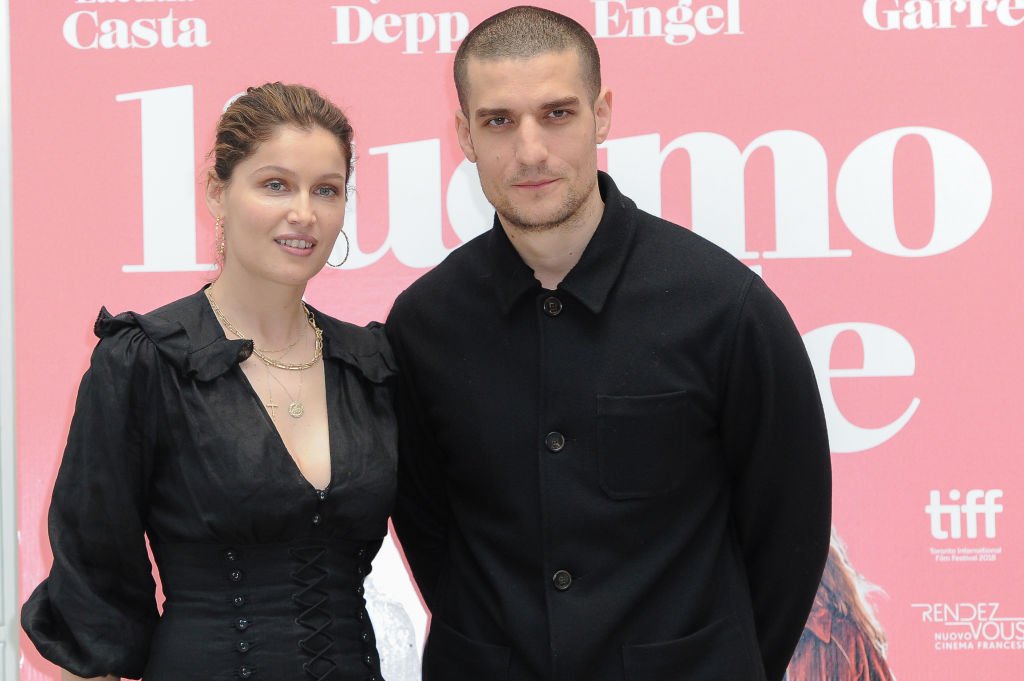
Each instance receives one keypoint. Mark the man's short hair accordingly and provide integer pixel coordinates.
(522, 33)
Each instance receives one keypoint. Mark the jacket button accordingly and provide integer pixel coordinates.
(244, 672)
(554, 441)
(243, 646)
(238, 600)
(562, 580)
(231, 555)
(242, 624)
(316, 519)
(552, 306)
(235, 575)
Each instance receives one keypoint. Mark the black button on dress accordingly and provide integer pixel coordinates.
(170, 442)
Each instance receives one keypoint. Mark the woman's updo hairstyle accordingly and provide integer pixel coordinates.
(254, 117)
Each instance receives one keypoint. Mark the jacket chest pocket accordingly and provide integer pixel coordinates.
(648, 444)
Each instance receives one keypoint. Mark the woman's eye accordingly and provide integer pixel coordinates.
(326, 191)
(275, 185)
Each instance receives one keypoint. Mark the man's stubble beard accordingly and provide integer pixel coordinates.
(569, 207)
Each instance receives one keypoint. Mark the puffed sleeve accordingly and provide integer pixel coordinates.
(95, 613)
(775, 437)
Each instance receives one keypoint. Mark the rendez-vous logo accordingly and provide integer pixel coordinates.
(925, 14)
(972, 626)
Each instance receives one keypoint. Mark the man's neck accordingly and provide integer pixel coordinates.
(551, 253)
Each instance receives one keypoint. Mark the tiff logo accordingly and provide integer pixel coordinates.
(948, 519)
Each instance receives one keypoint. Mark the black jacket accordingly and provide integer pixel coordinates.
(625, 478)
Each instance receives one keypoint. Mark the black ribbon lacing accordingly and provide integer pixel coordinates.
(314, 615)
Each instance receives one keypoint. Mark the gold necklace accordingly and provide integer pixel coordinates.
(318, 349)
(295, 407)
(281, 351)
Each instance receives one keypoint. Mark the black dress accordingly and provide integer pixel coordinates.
(262, 574)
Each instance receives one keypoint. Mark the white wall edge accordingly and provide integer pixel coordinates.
(9, 635)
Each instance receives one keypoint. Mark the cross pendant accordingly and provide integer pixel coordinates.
(272, 408)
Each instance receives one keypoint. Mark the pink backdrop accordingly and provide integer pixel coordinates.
(866, 156)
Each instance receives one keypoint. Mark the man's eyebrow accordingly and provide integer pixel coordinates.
(562, 103)
(487, 113)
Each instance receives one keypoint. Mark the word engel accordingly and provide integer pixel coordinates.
(678, 24)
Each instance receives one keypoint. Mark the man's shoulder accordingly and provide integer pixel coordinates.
(674, 250)
(678, 251)
(464, 266)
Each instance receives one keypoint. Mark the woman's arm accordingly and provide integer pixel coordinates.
(95, 613)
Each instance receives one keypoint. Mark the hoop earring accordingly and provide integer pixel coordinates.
(218, 226)
(348, 249)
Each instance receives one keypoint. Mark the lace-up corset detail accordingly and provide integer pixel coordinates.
(276, 611)
(312, 601)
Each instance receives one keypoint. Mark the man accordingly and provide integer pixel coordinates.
(613, 463)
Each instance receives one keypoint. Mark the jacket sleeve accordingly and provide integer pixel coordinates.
(773, 428)
(421, 514)
(95, 613)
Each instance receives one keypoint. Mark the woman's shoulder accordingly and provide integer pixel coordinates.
(183, 333)
(365, 348)
(129, 325)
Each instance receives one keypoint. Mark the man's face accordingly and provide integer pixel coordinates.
(533, 132)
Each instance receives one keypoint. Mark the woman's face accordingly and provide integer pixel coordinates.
(284, 206)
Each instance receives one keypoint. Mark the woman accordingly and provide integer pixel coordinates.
(842, 640)
(248, 436)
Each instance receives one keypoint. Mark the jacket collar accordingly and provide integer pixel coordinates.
(819, 622)
(593, 277)
(188, 335)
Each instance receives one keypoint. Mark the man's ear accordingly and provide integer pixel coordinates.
(465, 139)
(603, 114)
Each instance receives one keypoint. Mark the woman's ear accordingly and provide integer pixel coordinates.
(214, 194)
